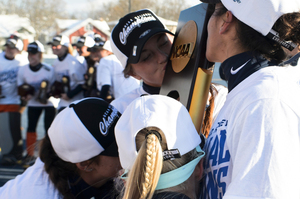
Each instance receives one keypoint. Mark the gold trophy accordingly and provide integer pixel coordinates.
(42, 96)
(65, 84)
(89, 78)
(188, 72)
(25, 89)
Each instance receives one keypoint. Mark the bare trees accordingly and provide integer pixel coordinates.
(41, 13)
(113, 10)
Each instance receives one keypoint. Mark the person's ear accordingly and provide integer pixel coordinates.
(227, 22)
(199, 170)
(84, 166)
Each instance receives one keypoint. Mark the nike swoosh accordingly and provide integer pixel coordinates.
(233, 72)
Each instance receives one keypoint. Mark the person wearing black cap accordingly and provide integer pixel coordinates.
(97, 51)
(10, 129)
(143, 45)
(253, 147)
(69, 73)
(39, 76)
(83, 43)
(78, 158)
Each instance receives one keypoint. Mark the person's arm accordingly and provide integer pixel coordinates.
(261, 142)
(104, 91)
(104, 80)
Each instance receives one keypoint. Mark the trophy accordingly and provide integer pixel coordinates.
(42, 95)
(25, 89)
(56, 89)
(89, 78)
(188, 72)
(65, 80)
(1, 96)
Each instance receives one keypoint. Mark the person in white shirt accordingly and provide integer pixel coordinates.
(110, 78)
(40, 76)
(253, 148)
(77, 159)
(143, 52)
(10, 118)
(69, 73)
(83, 43)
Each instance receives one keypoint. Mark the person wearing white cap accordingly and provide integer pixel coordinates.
(78, 158)
(83, 43)
(159, 148)
(68, 71)
(39, 76)
(10, 124)
(110, 78)
(253, 146)
(143, 44)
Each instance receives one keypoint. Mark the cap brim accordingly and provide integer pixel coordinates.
(211, 1)
(54, 43)
(141, 42)
(32, 50)
(10, 45)
(111, 151)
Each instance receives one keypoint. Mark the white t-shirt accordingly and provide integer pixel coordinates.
(34, 78)
(253, 149)
(82, 60)
(33, 183)
(122, 102)
(74, 70)
(8, 78)
(110, 72)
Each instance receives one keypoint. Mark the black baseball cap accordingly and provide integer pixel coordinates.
(84, 41)
(84, 130)
(99, 43)
(14, 42)
(132, 32)
(35, 47)
(59, 40)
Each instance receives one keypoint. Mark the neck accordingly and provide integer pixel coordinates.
(62, 57)
(151, 89)
(9, 58)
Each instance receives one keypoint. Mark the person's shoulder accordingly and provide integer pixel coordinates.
(47, 67)
(122, 102)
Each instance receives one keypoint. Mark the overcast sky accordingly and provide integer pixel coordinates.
(77, 5)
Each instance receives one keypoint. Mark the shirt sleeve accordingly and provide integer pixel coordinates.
(20, 75)
(103, 74)
(261, 143)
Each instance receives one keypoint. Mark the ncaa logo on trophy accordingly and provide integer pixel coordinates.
(188, 72)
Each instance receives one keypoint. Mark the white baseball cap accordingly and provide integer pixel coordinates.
(14, 42)
(107, 46)
(35, 47)
(84, 130)
(60, 40)
(260, 15)
(85, 41)
(165, 113)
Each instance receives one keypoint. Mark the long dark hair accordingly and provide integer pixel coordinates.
(59, 171)
(252, 40)
(288, 27)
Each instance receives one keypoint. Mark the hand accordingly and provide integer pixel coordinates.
(27, 97)
(64, 96)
